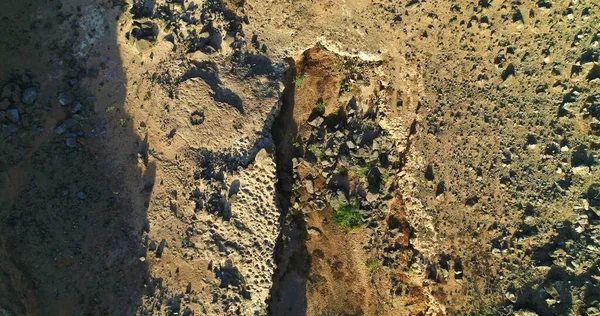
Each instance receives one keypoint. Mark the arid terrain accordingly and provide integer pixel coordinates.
(341, 157)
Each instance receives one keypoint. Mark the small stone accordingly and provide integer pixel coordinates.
(81, 195)
(511, 297)
(66, 98)
(197, 118)
(316, 122)
(371, 197)
(71, 142)
(13, 115)
(314, 231)
(30, 95)
(308, 184)
(61, 129)
(581, 170)
(350, 144)
(77, 107)
(319, 205)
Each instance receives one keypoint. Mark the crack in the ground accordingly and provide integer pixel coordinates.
(289, 280)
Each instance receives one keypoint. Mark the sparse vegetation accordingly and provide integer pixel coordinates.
(341, 170)
(348, 216)
(186, 243)
(317, 151)
(299, 81)
(319, 107)
(385, 176)
(373, 264)
(346, 85)
(363, 171)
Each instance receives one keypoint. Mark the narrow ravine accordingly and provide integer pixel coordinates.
(330, 185)
(288, 294)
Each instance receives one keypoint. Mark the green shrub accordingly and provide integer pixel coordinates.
(186, 243)
(341, 170)
(346, 86)
(363, 172)
(299, 82)
(384, 178)
(348, 216)
(315, 150)
(319, 107)
(373, 264)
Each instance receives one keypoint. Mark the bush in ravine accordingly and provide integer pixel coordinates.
(348, 216)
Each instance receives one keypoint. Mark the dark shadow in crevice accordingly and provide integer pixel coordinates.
(288, 294)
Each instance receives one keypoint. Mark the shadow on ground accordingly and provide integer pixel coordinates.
(73, 204)
(288, 294)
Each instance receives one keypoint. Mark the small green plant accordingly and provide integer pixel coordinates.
(299, 81)
(148, 95)
(385, 176)
(321, 46)
(110, 109)
(319, 107)
(186, 243)
(315, 150)
(346, 86)
(341, 170)
(348, 216)
(411, 270)
(488, 310)
(240, 276)
(373, 264)
(349, 63)
(363, 171)
(123, 122)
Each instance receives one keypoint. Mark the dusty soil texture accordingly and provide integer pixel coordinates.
(243, 157)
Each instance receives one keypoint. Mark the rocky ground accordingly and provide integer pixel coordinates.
(415, 157)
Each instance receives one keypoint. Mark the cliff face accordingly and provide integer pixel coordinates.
(269, 157)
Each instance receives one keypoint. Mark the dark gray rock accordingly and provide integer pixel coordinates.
(61, 129)
(13, 115)
(71, 142)
(70, 122)
(4, 104)
(30, 95)
(593, 194)
(77, 107)
(66, 98)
